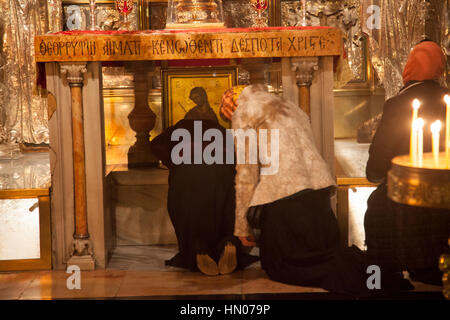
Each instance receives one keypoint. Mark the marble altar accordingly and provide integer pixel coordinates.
(74, 81)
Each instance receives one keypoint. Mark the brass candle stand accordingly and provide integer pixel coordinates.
(426, 186)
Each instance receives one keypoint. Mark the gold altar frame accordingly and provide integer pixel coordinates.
(45, 260)
(224, 77)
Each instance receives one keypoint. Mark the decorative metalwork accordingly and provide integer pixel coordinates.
(344, 15)
(125, 8)
(23, 105)
(92, 8)
(393, 28)
(106, 17)
(260, 6)
(240, 14)
(194, 13)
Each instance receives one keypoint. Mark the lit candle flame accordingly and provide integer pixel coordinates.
(447, 99)
(416, 104)
(436, 126)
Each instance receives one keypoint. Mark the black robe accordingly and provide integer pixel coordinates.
(300, 244)
(201, 200)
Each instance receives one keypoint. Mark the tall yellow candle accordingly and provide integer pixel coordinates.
(420, 124)
(447, 131)
(436, 130)
(413, 137)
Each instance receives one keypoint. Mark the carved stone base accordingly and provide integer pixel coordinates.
(82, 254)
(81, 247)
(85, 263)
(141, 157)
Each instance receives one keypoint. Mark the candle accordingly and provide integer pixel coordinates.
(447, 131)
(436, 130)
(413, 142)
(419, 126)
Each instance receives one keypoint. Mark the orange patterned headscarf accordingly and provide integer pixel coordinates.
(425, 62)
(229, 98)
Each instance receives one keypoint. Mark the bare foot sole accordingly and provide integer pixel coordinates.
(228, 260)
(207, 265)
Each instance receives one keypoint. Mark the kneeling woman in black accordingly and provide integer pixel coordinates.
(299, 236)
(201, 204)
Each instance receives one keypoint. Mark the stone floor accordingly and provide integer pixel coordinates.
(139, 273)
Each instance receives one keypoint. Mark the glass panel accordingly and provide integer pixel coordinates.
(357, 206)
(19, 229)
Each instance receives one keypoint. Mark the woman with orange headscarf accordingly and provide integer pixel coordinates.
(400, 237)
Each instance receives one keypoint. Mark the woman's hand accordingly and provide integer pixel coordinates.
(248, 241)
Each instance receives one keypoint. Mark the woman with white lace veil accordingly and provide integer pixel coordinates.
(299, 236)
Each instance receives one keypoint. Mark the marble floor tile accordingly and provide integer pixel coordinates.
(139, 271)
(143, 258)
(156, 283)
(94, 284)
(12, 285)
(255, 280)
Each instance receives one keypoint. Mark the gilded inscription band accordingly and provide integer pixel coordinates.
(173, 46)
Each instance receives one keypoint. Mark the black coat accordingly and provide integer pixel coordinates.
(392, 137)
(399, 236)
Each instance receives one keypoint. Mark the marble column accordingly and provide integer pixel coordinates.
(142, 119)
(304, 68)
(82, 254)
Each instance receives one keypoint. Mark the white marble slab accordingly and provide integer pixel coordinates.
(139, 199)
(352, 157)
